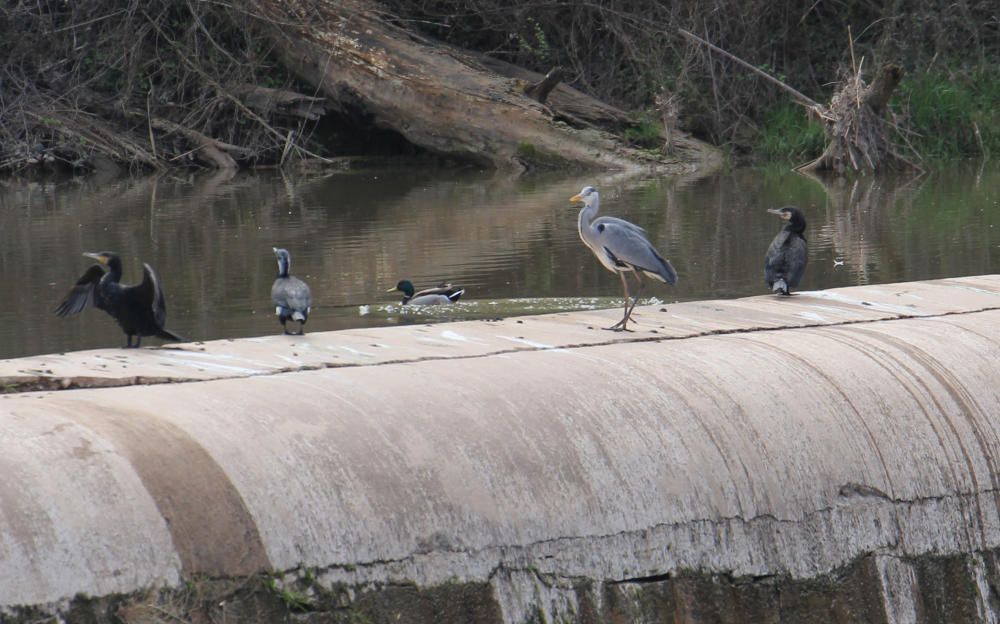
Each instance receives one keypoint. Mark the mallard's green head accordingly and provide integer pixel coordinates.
(404, 286)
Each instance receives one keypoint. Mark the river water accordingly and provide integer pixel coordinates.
(511, 242)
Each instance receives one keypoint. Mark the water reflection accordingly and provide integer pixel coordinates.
(352, 235)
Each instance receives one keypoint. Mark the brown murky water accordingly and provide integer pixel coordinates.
(511, 242)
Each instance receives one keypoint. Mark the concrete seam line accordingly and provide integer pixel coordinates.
(47, 384)
(847, 491)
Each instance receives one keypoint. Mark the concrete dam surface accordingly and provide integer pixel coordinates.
(833, 456)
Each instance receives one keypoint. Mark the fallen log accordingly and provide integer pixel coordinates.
(567, 104)
(207, 150)
(268, 101)
(436, 96)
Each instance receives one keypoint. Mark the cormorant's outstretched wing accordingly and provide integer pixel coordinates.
(150, 293)
(82, 293)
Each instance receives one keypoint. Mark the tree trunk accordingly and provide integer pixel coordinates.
(885, 82)
(436, 96)
(540, 90)
(858, 137)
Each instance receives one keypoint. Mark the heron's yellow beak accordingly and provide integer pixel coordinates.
(96, 256)
(576, 198)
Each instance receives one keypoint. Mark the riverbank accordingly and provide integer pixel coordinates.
(261, 83)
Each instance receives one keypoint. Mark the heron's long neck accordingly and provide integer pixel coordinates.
(587, 214)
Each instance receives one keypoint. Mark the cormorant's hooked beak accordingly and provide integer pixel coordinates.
(576, 198)
(784, 214)
(97, 256)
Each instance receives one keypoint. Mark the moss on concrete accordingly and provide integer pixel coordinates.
(945, 592)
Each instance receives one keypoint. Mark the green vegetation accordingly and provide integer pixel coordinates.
(527, 151)
(293, 600)
(941, 114)
(646, 133)
(952, 113)
(787, 133)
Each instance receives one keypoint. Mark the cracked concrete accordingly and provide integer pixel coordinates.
(843, 443)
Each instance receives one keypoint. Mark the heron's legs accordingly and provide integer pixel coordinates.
(635, 298)
(622, 325)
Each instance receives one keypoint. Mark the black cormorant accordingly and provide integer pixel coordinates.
(622, 247)
(139, 309)
(291, 296)
(442, 293)
(787, 256)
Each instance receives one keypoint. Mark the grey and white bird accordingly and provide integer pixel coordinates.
(622, 247)
(290, 295)
(440, 294)
(786, 258)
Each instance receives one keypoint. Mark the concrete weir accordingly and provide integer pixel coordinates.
(833, 456)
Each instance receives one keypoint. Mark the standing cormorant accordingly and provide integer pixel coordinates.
(787, 256)
(139, 309)
(291, 296)
(622, 247)
(442, 293)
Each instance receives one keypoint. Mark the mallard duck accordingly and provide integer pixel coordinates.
(622, 247)
(290, 295)
(440, 294)
(140, 309)
(786, 258)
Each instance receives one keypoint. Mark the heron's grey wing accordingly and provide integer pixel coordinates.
(619, 222)
(150, 293)
(629, 246)
(83, 292)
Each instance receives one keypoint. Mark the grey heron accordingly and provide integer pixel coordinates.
(787, 256)
(622, 247)
(291, 296)
(442, 293)
(140, 309)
